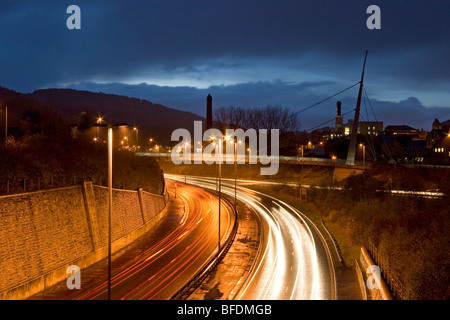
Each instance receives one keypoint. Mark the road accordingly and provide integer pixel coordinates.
(167, 265)
(293, 262)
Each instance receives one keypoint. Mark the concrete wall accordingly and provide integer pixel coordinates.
(42, 233)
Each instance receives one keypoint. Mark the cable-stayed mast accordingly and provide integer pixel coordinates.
(352, 146)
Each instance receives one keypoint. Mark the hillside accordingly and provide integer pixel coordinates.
(67, 105)
(18, 104)
(152, 119)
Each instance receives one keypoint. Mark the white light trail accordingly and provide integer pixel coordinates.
(288, 266)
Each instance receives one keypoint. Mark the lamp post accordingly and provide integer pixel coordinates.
(137, 135)
(110, 147)
(6, 126)
(363, 153)
(301, 180)
(220, 177)
(110, 205)
(235, 167)
(249, 162)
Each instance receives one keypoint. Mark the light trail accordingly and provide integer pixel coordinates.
(165, 267)
(293, 262)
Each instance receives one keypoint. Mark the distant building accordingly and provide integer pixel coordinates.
(441, 126)
(371, 128)
(339, 123)
(364, 127)
(400, 130)
(438, 140)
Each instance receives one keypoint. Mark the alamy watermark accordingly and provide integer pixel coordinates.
(74, 279)
(228, 148)
(373, 277)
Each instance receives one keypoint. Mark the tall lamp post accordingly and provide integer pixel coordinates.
(110, 148)
(249, 162)
(363, 152)
(110, 206)
(137, 135)
(235, 167)
(6, 126)
(301, 179)
(220, 184)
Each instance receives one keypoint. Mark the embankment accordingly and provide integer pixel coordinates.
(42, 233)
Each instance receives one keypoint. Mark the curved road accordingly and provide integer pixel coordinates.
(161, 270)
(293, 260)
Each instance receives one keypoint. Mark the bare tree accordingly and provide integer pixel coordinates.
(270, 117)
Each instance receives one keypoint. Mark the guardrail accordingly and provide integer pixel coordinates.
(201, 275)
(336, 246)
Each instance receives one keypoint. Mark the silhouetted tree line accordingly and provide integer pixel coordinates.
(270, 117)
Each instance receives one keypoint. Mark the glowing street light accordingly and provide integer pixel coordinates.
(110, 154)
(220, 184)
(363, 146)
(249, 162)
(137, 135)
(6, 126)
(235, 167)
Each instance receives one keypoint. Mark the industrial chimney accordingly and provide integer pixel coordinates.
(208, 112)
(339, 128)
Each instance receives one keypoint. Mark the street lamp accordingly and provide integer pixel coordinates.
(220, 182)
(249, 162)
(364, 152)
(235, 167)
(110, 154)
(301, 180)
(137, 135)
(6, 125)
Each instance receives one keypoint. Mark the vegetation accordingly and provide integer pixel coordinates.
(410, 233)
(46, 150)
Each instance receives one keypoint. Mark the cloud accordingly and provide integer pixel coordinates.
(207, 43)
(296, 97)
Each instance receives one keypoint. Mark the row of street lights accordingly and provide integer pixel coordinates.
(361, 145)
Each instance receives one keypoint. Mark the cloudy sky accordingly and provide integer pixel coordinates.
(247, 53)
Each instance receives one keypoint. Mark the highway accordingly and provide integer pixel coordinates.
(162, 269)
(293, 263)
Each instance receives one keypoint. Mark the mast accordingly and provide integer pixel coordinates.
(352, 146)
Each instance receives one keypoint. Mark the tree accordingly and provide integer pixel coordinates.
(270, 117)
(30, 122)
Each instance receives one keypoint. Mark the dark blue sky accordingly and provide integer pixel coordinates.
(245, 53)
